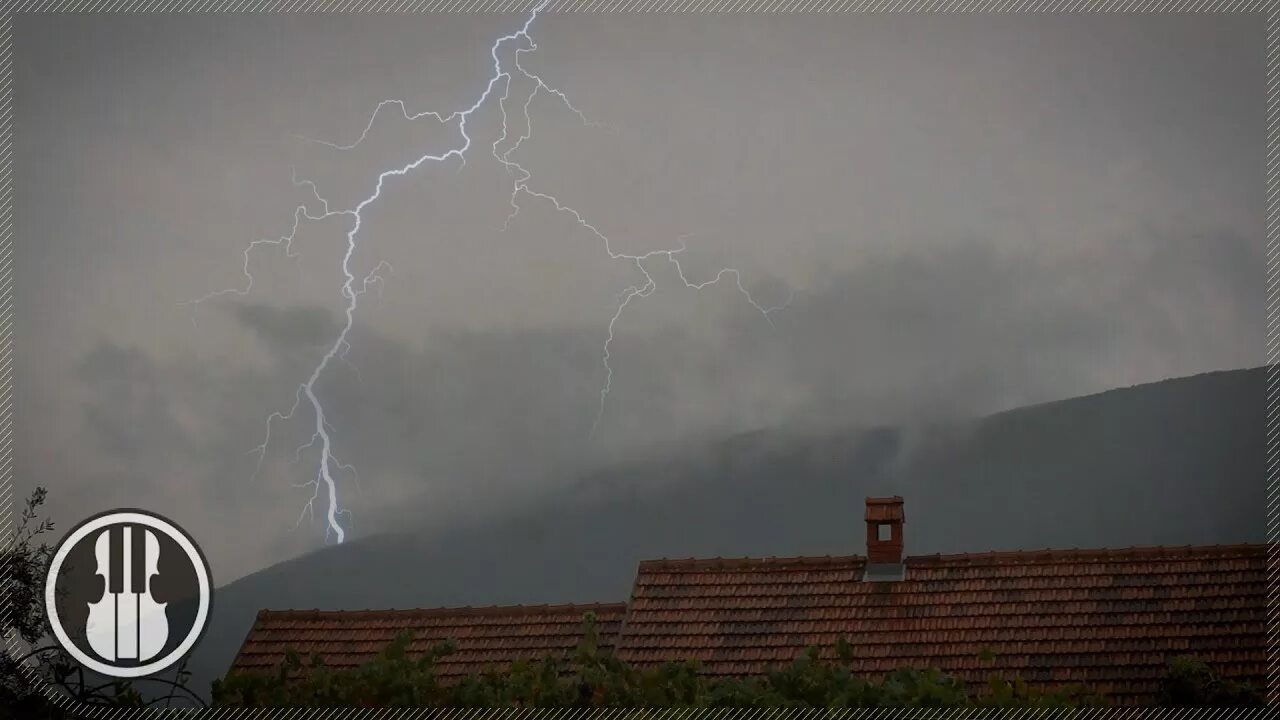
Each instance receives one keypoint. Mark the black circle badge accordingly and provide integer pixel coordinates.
(127, 593)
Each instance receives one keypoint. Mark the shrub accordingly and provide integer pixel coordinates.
(592, 678)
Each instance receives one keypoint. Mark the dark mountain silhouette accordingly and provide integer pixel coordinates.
(1176, 462)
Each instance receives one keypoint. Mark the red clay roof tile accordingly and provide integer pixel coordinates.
(1108, 618)
(486, 636)
(888, 509)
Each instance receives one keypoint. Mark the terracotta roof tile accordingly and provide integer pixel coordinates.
(885, 509)
(488, 636)
(1107, 618)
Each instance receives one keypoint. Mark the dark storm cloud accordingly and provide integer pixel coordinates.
(477, 422)
(971, 329)
(300, 328)
(969, 214)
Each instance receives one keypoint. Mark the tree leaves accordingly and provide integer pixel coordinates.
(1191, 683)
(32, 681)
(590, 677)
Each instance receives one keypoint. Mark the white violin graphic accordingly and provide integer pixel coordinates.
(127, 623)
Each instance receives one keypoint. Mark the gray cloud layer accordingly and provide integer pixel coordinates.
(970, 214)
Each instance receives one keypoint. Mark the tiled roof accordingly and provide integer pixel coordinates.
(1109, 619)
(490, 636)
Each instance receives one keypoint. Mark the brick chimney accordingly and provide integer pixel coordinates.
(884, 530)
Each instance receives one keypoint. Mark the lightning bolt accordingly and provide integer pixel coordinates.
(323, 484)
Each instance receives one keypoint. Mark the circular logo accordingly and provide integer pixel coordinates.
(127, 593)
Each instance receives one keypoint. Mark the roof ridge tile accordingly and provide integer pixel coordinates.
(460, 611)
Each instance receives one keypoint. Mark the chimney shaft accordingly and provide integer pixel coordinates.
(884, 530)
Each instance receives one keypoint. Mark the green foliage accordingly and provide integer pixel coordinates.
(594, 678)
(32, 675)
(1191, 683)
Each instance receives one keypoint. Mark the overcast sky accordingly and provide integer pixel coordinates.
(968, 213)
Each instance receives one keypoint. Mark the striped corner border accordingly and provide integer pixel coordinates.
(712, 714)
(703, 714)
(631, 6)
(1272, 334)
(1273, 354)
(8, 512)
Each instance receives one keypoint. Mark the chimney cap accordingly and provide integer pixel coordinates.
(885, 509)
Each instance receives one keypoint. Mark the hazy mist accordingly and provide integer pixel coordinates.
(969, 214)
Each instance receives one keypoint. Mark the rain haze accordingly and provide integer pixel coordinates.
(952, 215)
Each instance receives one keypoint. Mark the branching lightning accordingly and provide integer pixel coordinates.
(323, 484)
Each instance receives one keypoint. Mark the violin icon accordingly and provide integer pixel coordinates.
(127, 633)
(127, 623)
